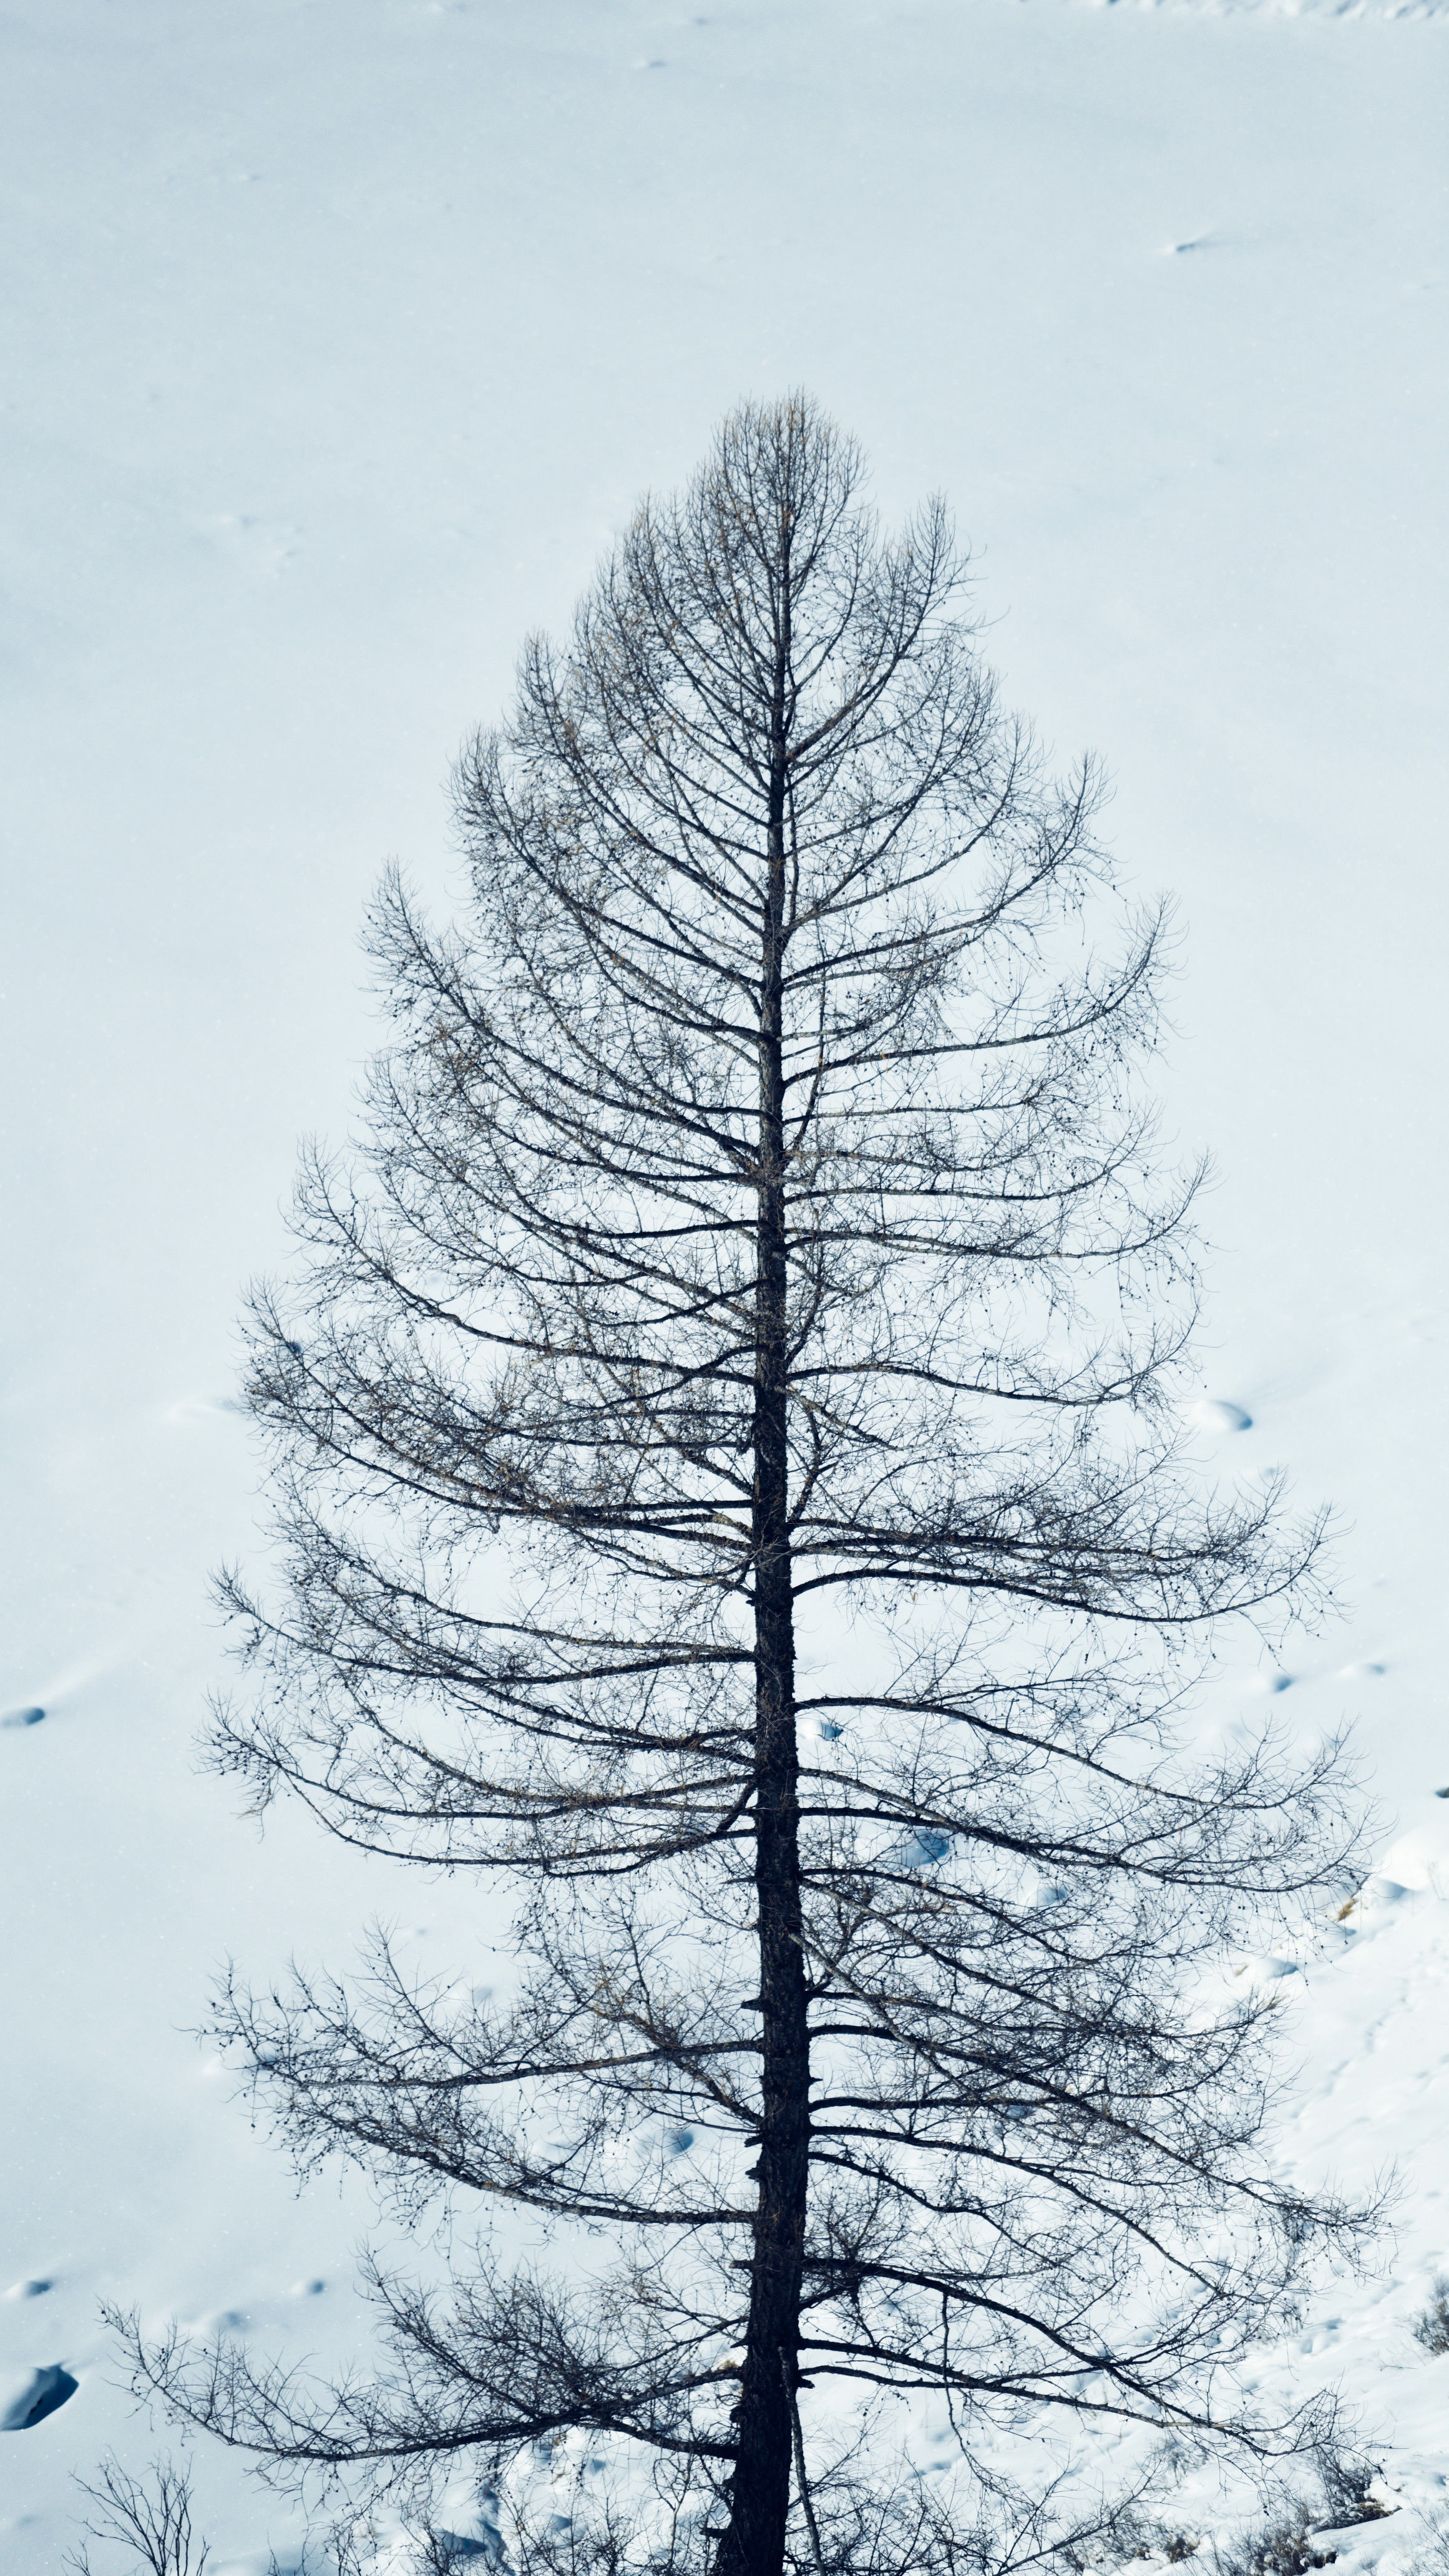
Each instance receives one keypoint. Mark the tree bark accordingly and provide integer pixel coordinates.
(754, 2543)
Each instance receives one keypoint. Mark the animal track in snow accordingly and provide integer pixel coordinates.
(22, 1717)
(29, 2289)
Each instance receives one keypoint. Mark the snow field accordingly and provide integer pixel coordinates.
(341, 334)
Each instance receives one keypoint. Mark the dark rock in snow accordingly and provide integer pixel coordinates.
(48, 2389)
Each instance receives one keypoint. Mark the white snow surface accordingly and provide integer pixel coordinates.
(339, 335)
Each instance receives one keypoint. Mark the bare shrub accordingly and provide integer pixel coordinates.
(1347, 2478)
(1285, 2547)
(1432, 2328)
(150, 2517)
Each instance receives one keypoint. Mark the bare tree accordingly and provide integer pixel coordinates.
(725, 1448)
(150, 2518)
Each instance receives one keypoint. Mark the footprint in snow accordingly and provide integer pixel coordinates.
(22, 1717)
(1215, 1413)
(29, 2289)
(1264, 1971)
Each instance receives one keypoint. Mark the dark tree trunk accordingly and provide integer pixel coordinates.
(754, 2544)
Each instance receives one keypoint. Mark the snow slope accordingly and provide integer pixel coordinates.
(339, 335)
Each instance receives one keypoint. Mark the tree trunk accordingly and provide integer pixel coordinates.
(754, 2543)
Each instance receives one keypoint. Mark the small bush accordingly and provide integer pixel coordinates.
(1432, 2328)
(1276, 2549)
(1346, 2482)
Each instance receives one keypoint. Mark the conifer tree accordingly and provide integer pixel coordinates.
(724, 1434)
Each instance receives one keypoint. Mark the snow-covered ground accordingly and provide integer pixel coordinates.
(339, 335)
